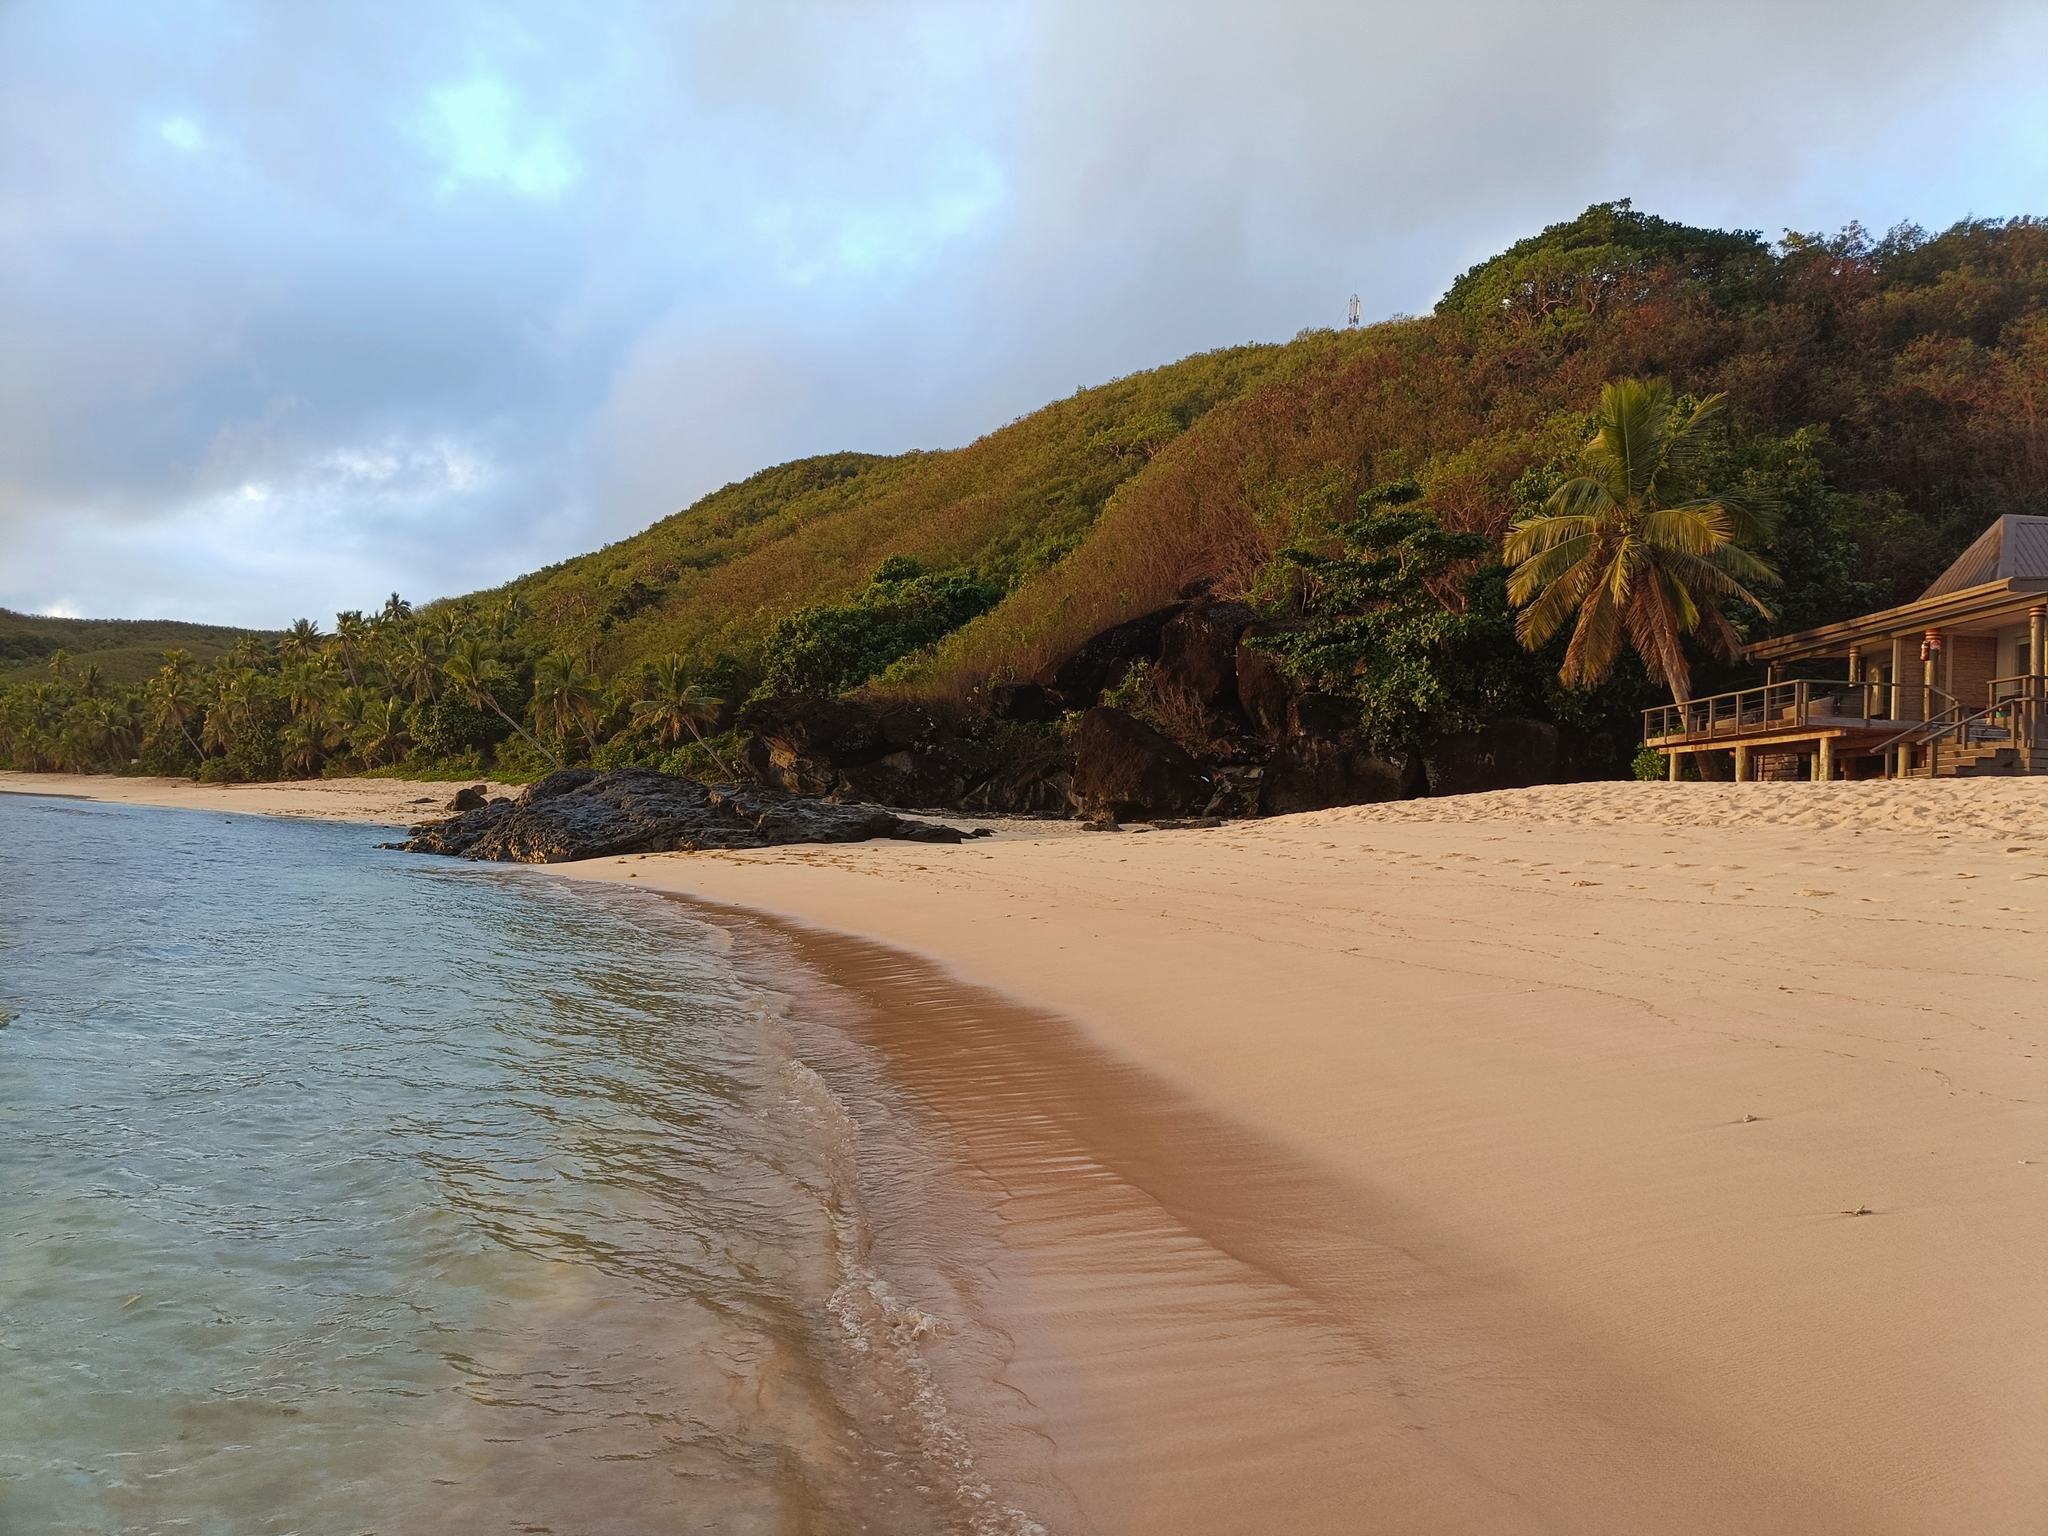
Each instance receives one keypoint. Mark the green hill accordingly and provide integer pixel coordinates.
(1897, 388)
(125, 650)
(1890, 395)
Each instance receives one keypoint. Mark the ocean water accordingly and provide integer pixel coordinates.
(346, 1191)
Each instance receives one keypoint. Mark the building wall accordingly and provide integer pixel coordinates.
(1971, 662)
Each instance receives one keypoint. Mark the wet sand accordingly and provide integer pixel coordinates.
(1592, 1158)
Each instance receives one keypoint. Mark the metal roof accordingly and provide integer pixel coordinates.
(2013, 548)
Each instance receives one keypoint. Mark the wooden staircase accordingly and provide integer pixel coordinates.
(1987, 756)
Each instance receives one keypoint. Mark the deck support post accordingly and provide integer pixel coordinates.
(1824, 761)
(1742, 765)
(1674, 767)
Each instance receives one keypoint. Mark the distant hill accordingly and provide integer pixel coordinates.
(125, 650)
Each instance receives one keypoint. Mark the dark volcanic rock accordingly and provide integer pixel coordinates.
(580, 813)
(1510, 753)
(1105, 657)
(902, 754)
(1125, 770)
(467, 799)
(1198, 653)
(1024, 702)
(1321, 762)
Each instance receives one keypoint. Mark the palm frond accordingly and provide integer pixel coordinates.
(1536, 534)
(1538, 571)
(1543, 618)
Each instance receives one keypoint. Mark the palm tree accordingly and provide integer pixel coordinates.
(300, 641)
(382, 731)
(60, 661)
(351, 636)
(415, 667)
(565, 693)
(471, 672)
(673, 704)
(171, 705)
(306, 742)
(1626, 548)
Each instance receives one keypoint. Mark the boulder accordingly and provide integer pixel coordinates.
(467, 799)
(1198, 653)
(1510, 753)
(1125, 770)
(1322, 761)
(1026, 703)
(1105, 657)
(637, 810)
(1264, 692)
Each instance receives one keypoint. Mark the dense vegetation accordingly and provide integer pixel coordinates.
(1887, 397)
(125, 650)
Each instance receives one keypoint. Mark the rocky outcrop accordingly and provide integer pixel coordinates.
(1198, 654)
(1104, 658)
(1126, 771)
(1321, 761)
(582, 813)
(469, 799)
(902, 755)
(1509, 753)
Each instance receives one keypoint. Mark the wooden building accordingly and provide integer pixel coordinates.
(1949, 684)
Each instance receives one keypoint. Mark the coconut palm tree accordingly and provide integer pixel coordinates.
(471, 671)
(672, 704)
(171, 704)
(565, 693)
(382, 732)
(415, 667)
(1631, 552)
(300, 641)
(351, 638)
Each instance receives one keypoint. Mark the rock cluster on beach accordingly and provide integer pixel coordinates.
(1231, 734)
(585, 813)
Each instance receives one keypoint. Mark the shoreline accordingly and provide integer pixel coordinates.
(1671, 1155)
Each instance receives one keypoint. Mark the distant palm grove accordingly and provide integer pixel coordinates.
(1875, 403)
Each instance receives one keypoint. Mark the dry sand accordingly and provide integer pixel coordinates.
(379, 802)
(1604, 1157)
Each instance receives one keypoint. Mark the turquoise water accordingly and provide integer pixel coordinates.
(345, 1190)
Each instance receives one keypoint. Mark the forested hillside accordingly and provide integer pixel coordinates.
(1889, 397)
(124, 650)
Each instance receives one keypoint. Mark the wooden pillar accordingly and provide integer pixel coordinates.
(1742, 765)
(1674, 766)
(1856, 676)
(1930, 656)
(2037, 635)
(1824, 760)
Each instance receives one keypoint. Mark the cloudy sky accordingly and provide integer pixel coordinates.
(303, 303)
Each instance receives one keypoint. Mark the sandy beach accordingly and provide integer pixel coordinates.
(1605, 1157)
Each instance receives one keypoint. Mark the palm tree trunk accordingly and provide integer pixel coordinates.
(500, 711)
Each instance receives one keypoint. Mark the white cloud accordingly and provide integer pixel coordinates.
(181, 133)
(481, 133)
(479, 287)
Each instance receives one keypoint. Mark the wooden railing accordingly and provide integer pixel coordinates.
(1773, 707)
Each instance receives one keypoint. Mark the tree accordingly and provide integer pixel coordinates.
(300, 641)
(565, 693)
(382, 731)
(351, 638)
(1630, 548)
(1407, 621)
(471, 671)
(672, 703)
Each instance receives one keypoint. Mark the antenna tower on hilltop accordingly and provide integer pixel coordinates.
(1351, 314)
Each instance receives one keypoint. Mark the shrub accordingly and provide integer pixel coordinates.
(1651, 764)
(833, 648)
